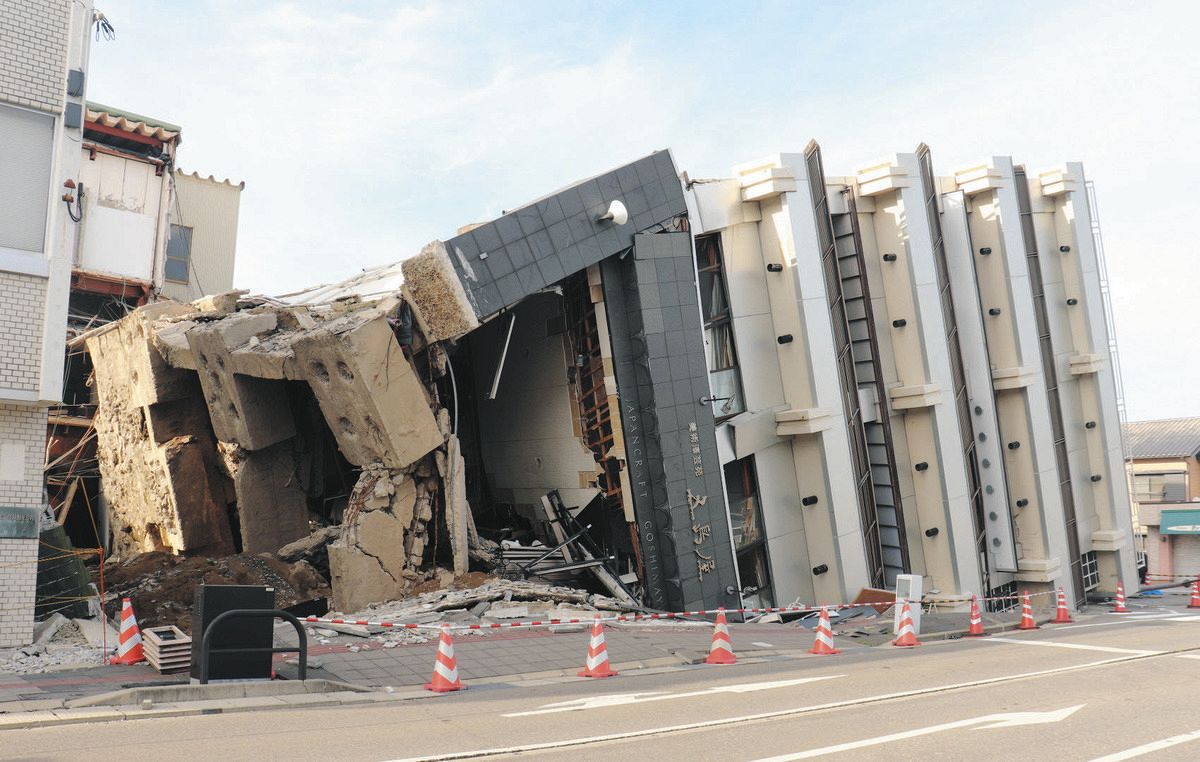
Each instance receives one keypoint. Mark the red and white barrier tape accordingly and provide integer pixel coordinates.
(667, 615)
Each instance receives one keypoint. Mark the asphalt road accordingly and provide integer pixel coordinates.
(1110, 686)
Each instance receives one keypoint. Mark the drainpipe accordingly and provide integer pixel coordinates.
(162, 225)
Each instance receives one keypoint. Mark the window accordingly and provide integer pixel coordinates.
(749, 539)
(1091, 570)
(1160, 488)
(179, 254)
(724, 379)
(25, 156)
(1003, 598)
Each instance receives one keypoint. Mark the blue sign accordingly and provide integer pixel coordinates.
(1179, 522)
(18, 523)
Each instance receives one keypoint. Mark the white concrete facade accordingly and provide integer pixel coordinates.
(43, 40)
(1039, 507)
(974, 415)
(1083, 358)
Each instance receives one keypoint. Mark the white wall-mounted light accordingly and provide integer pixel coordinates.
(617, 213)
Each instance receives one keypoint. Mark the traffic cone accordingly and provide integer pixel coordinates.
(721, 650)
(445, 667)
(907, 636)
(976, 629)
(129, 649)
(1063, 615)
(597, 658)
(1119, 606)
(823, 643)
(1195, 604)
(1027, 622)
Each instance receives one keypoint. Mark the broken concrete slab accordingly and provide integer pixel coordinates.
(44, 631)
(252, 412)
(135, 373)
(311, 548)
(437, 293)
(224, 302)
(94, 631)
(370, 396)
(459, 522)
(354, 630)
(368, 564)
(508, 612)
(272, 508)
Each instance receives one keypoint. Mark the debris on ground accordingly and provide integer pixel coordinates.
(472, 599)
(162, 586)
(66, 649)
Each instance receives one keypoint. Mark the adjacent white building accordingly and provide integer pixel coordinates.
(43, 79)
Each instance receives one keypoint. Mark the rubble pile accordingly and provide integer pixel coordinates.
(162, 586)
(234, 425)
(473, 599)
(66, 648)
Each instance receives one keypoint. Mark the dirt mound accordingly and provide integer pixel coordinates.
(162, 586)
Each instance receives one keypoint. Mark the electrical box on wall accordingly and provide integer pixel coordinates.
(75, 79)
(73, 116)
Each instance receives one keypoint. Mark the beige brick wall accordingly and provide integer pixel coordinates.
(21, 321)
(18, 582)
(33, 49)
(24, 427)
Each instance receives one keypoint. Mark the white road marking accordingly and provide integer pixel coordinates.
(1187, 656)
(1077, 646)
(1011, 719)
(760, 644)
(724, 721)
(1138, 751)
(1192, 618)
(1110, 623)
(623, 699)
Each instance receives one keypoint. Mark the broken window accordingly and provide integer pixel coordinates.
(749, 539)
(179, 254)
(720, 350)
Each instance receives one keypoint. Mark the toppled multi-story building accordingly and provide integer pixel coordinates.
(742, 391)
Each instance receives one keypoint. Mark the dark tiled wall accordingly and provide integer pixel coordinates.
(543, 242)
(658, 347)
(658, 350)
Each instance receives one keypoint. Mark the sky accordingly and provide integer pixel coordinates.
(364, 130)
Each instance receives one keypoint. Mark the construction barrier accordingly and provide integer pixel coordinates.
(657, 616)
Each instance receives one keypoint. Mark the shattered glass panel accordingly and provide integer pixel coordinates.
(726, 393)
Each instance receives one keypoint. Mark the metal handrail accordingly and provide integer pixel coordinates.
(206, 642)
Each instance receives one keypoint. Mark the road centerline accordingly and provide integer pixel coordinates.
(1075, 646)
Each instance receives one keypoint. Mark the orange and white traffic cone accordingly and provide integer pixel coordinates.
(597, 658)
(823, 643)
(1195, 604)
(129, 649)
(976, 628)
(1027, 622)
(445, 667)
(907, 636)
(1063, 614)
(1119, 606)
(721, 650)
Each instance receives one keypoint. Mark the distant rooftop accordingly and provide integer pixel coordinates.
(1167, 438)
(119, 113)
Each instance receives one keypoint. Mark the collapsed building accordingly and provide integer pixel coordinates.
(683, 387)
